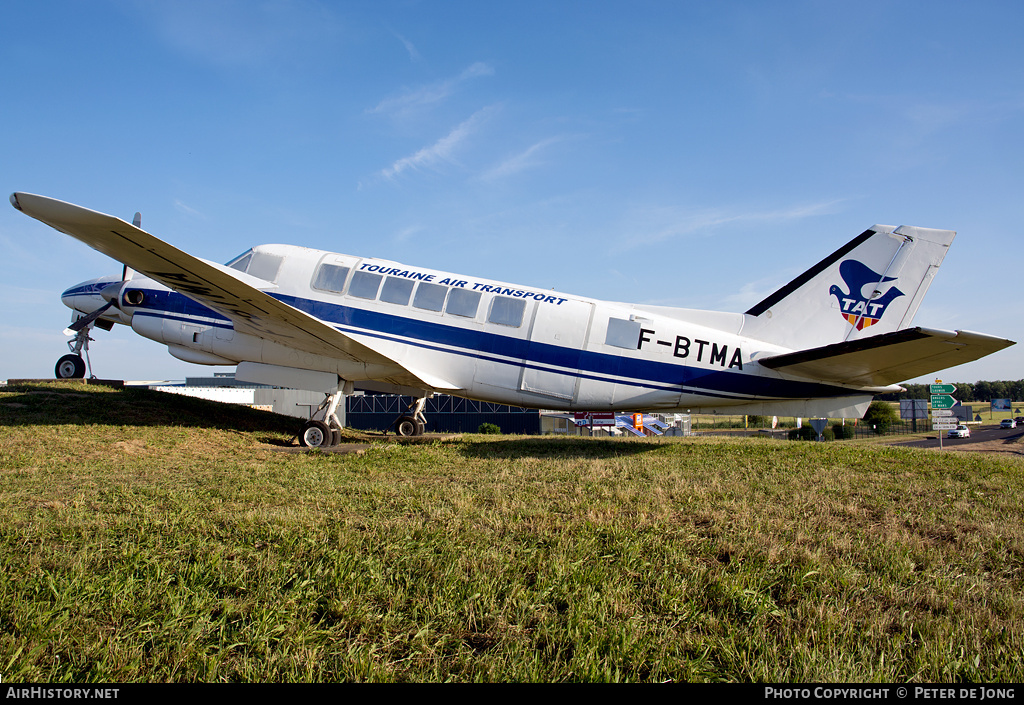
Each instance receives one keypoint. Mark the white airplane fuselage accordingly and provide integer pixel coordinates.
(487, 340)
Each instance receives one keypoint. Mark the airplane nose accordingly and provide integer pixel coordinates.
(88, 296)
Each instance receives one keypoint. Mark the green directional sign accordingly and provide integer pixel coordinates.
(942, 388)
(943, 401)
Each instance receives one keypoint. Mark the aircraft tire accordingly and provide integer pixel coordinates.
(408, 426)
(70, 367)
(315, 434)
(335, 437)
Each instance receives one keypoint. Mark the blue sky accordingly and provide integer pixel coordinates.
(681, 153)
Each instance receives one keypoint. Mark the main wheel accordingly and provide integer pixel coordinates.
(315, 434)
(408, 426)
(70, 367)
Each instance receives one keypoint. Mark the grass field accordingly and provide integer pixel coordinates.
(149, 537)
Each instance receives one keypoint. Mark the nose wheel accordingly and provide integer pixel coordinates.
(70, 367)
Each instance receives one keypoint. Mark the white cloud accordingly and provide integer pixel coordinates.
(413, 101)
(441, 151)
(187, 210)
(527, 159)
(664, 223)
(414, 54)
(234, 33)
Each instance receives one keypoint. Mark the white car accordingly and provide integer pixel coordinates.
(1007, 423)
(960, 431)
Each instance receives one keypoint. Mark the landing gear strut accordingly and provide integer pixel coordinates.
(413, 422)
(323, 430)
(73, 366)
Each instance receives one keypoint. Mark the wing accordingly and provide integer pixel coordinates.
(250, 310)
(887, 359)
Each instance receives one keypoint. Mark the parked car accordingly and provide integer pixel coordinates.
(960, 431)
(1008, 423)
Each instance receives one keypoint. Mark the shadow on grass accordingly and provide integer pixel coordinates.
(74, 403)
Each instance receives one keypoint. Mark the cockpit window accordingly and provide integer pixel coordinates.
(264, 266)
(241, 262)
(258, 264)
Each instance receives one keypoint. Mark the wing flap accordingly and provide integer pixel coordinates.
(886, 359)
(251, 310)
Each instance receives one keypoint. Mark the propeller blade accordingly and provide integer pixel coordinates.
(86, 320)
(126, 273)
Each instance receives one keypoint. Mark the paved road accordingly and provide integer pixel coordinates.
(979, 434)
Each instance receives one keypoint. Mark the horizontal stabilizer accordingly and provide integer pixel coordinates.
(886, 359)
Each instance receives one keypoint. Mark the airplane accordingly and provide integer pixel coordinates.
(820, 346)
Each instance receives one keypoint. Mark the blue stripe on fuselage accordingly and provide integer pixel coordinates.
(485, 345)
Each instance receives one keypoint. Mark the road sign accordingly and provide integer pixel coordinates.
(942, 412)
(598, 418)
(943, 401)
(913, 409)
(819, 425)
(941, 388)
(943, 426)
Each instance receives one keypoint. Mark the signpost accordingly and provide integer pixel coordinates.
(943, 418)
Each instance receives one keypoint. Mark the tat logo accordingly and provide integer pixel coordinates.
(862, 312)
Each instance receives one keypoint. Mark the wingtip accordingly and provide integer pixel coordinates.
(14, 200)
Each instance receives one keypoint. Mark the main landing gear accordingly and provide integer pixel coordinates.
(413, 422)
(323, 430)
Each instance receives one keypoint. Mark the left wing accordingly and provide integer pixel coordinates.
(886, 359)
(250, 310)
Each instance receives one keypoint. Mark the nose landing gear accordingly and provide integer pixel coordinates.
(73, 366)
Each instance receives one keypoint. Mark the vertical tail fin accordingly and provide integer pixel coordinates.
(874, 284)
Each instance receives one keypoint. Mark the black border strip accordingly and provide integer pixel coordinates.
(788, 289)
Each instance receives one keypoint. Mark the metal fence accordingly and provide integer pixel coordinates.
(445, 414)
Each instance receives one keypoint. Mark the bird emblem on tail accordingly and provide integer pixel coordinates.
(858, 310)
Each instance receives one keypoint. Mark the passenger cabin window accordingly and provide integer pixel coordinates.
(463, 302)
(622, 333)
(264, 266)
(397, 290)
(506, 311)
(330, 277)
(364, 285)
(430, 297)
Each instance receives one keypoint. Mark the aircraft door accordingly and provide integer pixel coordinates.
(557, 335)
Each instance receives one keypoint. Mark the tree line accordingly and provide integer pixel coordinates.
(965, 391)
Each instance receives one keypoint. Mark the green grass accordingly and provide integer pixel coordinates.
(147, 537)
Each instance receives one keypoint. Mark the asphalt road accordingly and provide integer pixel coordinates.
(979, 434)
